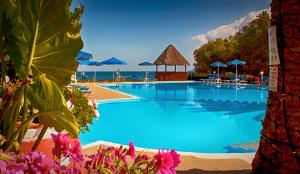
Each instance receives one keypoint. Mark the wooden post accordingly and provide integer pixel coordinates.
(184, 68)
(156, 68)
(165, 68)
(175, 68)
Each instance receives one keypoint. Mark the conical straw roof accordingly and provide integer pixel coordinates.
(171, 56)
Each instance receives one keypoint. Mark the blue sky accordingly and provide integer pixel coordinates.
(139, 30)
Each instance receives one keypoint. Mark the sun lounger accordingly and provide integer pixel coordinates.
(73, 85)
(232, 79)
(243, 80)
(211, 78)
(85, 90)
(88, 92)
(218, 80)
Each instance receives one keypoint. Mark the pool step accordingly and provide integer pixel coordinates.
(242, 148)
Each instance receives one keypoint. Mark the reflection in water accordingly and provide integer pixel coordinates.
(202, 97)
(233, 108)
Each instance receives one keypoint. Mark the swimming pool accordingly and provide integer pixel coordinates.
(189, 117)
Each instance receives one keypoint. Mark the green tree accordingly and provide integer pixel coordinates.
(212, 51)
(249, 44)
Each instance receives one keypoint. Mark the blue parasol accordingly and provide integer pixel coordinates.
(87, 62)
(146, 64)
(84, 56)
(218, 64)
(113, 61)
(236, 62)
(90, 63)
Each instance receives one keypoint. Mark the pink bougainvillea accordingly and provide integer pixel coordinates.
(62, 144)
(108, 159)
(167, 161)
(131, 151)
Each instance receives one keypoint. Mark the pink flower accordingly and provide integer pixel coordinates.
(176, 158)
(166, 162)
(2, 166)
(131, 150)
(75, 152)
(46, 165)
(14, 167)
(62, 144)
(36, 162)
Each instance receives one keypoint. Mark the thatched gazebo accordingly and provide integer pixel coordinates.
(171, 57)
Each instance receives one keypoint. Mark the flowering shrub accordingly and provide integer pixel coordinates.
(83, 109)
(107, 160)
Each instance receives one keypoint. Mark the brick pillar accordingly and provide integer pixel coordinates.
(279, 146)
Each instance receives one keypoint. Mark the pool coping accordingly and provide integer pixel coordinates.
(188, 81)
(144, 82)
(248, 157)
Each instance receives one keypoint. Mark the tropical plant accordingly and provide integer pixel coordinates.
(38, 45)
(197, 76)
(228, 75)
(83, 109)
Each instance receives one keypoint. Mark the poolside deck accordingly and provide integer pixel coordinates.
(204, 163)
(100, 93)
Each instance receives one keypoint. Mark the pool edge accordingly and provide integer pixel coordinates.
(248, 157)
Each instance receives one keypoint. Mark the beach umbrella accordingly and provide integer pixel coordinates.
(96, 64)
(146, 64)
(236, 62)
(218, 64)
(87, 62)
(84, 56)
(90, 63)
(113, 61)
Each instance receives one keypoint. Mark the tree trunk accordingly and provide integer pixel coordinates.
(279, 146)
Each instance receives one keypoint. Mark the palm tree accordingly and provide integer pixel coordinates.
(279, 146)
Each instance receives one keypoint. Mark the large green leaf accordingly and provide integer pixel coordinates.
(46, 96)
(62, 119)
(51, 35)
(12, 30)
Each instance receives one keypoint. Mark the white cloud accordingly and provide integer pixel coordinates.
(224, 31)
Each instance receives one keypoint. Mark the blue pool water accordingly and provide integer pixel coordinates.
(189, 117)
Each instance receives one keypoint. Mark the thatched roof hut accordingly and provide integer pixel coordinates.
(171, 57)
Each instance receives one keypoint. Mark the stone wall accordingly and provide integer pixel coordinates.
(279, 147)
